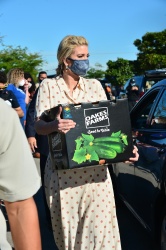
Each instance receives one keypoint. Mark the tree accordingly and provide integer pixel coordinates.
(19, 58)
(152, 50)
(118, 72)
(96, 72)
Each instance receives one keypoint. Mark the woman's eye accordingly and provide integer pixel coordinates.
(83, 56)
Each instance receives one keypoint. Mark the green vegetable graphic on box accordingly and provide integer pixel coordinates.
(90, 149)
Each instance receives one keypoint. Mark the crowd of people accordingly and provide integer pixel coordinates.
(19, 179)
(132, 92)
(83, 212)
(17, 89)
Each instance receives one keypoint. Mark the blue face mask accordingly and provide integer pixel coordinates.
(79, 67)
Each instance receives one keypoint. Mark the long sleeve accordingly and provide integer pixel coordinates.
(30, 120)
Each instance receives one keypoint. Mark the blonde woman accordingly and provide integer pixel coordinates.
(15, 79)
(81, 200)
(8, 96)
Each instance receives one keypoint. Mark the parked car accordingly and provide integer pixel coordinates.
(146, 81)
(142, 185)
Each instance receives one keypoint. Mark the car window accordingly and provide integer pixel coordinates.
(148, 84)
(139, 118)
(159, 117)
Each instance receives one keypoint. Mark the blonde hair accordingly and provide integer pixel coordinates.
(14, 76)
(66, 47)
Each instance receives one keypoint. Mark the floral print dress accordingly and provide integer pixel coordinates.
(81, 200)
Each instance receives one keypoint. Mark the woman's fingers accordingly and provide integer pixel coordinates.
(64, 125)
(136, 155)
(59, 113)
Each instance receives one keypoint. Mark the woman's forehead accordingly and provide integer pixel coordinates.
(82, 49)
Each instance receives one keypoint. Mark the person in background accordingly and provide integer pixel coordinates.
(132, 93)
(31, 134)
(29, 129)
(8, 95)
(31, 84)
(81, 200)
(41, 76)
(39, 147)
(19, 181)
(15, 79)
(109, 92)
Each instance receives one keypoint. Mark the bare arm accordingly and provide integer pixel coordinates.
(23, 219)
(19, 112)
(27, 99)
(27, 95)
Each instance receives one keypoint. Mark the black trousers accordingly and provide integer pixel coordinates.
(43, 159)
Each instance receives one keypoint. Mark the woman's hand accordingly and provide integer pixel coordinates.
(136, 156)
(26, 86)
(63, 125)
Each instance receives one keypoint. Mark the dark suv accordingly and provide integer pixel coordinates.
(142, 185)
(147, 80)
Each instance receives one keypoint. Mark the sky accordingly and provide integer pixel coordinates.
(110, 26)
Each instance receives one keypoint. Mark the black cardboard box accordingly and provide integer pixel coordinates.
(102, 134)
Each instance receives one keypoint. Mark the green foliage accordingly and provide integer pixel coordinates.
(96, 72)
(118, 71)
(20, 58)
(152, 50)
(135, 66)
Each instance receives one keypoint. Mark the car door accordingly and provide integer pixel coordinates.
(140, 184)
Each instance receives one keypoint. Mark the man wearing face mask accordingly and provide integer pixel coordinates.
(41, 76)
(15, 79)
(132, 93)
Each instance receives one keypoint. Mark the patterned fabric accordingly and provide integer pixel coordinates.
(81, 200)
